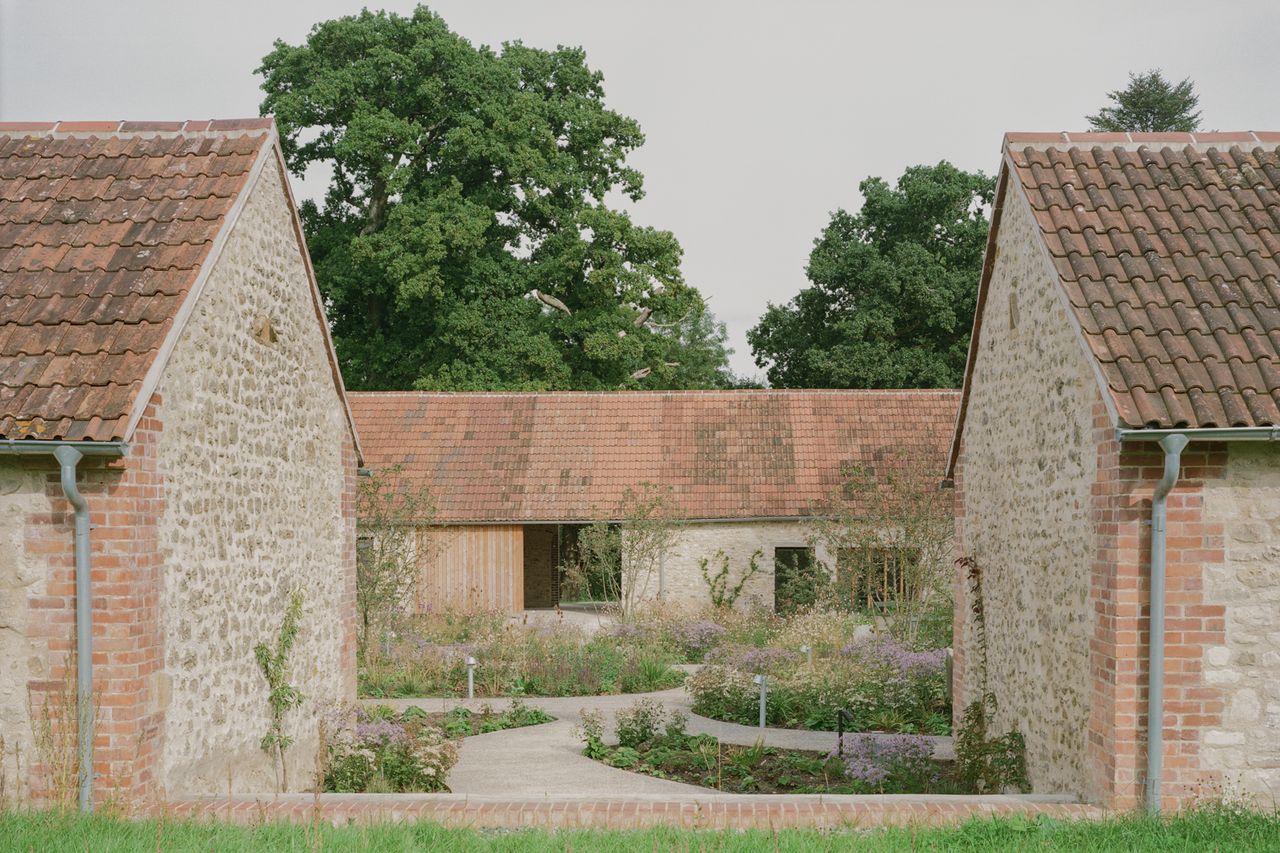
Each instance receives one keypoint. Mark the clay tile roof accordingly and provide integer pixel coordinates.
(564, 456)
(1168, 248)
(104, 227)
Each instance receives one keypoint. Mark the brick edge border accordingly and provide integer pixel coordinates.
(767, 813)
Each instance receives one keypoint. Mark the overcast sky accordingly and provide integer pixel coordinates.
(761, 118)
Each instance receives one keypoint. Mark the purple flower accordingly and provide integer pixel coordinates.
(628, 631)
(455, 652)
(886, 652)
(383, 732)
(699, 636)
(763, 660)
(871, 760)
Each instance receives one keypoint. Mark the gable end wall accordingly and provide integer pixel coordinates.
(259, 473)
(1024, 477)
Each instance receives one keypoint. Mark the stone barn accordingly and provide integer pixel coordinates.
(514, 476)
(1116, 466)
(176, 459)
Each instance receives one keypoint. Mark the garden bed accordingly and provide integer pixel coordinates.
(461, 722)
(882, 686)
(380, 750)
(655, 743)
(428, 657)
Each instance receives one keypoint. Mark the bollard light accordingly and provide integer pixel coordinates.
(471, 677)
(807, 651)
(763, 682)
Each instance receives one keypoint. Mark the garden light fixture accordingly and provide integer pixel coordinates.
(763, 681)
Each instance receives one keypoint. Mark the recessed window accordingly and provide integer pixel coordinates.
(873, 578)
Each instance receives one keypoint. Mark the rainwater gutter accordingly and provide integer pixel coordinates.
(68, 455)
(1172, 442)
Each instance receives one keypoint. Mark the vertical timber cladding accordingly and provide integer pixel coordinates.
(472, 567)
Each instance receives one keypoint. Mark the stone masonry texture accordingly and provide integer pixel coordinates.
(1054, 509)
(252, 455)
(682, 572)
(23, 577)
(238, 487)
(1245, 501)
(1025, 481)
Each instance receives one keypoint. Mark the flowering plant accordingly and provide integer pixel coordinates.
(883, 685)
(897, 762)
(381, 752)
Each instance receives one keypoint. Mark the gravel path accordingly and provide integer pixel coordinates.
(546, 760)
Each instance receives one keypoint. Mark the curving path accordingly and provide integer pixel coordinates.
(547, 761)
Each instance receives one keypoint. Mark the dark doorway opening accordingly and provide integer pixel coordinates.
(796, 581)
(541, 566)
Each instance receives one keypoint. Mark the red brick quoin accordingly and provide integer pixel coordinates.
(1121, 598)
(126, 498)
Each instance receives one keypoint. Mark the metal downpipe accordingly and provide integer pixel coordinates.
(68, 457)
(1172, 445)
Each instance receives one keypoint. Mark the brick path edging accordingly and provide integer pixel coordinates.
(713, 812)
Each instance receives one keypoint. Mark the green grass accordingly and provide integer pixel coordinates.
(1204, 830)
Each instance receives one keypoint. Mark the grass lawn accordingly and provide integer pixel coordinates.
(1212, 829)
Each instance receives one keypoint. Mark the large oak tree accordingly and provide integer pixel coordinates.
(465, 240)
(893, 289)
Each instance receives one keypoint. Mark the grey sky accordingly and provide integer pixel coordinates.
(761, 118)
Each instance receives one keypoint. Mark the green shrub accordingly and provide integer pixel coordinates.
(461, 722)
(591, 730)
(640, 723)
(624, 757)
(989, 764)
(883, 686)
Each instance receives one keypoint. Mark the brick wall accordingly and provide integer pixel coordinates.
(1121, 600)
(125, 499)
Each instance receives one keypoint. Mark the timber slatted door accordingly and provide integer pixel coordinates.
(476, 567)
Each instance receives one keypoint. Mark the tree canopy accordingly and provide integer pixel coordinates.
(893, 289)
(465, 241)
(1149, 104)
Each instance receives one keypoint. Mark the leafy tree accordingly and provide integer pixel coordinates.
(395, 538)
(1150, 104)
(622, 561)
(464, 241)
(890, 529)
(894, 289)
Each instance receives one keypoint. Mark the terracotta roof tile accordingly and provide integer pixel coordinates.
(104, 227)
(570, 456)
(1168, 247)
